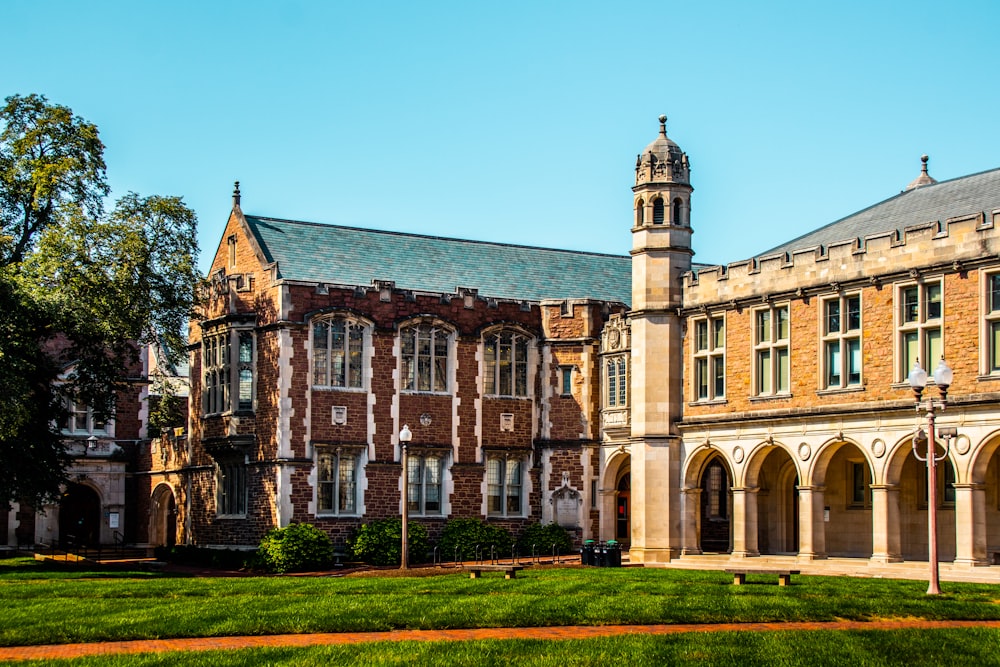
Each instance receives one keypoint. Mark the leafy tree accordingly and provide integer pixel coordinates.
(80, 288)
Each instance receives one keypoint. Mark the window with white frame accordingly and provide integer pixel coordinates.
(231, 487)
(338, 353)
(80, 420)
(424, 483)
(424, 349)
(505, 358)
(992, 324)
(504, 487)
(616, 381)
(920, 325)
(841, 336)
(710, 359)
(337, 480)
(771, 362)
(227, 371)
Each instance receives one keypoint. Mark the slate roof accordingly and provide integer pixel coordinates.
(930, 203)
(312, 252)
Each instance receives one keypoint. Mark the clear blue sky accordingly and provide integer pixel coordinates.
(519, 122)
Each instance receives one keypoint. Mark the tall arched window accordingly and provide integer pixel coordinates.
(424, 350)
(338, 353)
(640, 213)
(505, 356)
(675, 214)
(658, 211)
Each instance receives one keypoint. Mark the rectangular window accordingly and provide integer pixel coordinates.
(505, 356)
(992, 324)
(424, 363)
(841, 336)
(566, 380)
(920, 326)
(859, 480)
(710, 359)
(231, 488)
(771, 351)
(81, 421)
(227, 371)
(503, 487)
(336, 471)
(338, 353)
(616, 381)
(423, 491)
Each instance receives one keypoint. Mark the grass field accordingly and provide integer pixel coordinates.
(55, 604)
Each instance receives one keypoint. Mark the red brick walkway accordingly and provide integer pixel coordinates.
(55, 651)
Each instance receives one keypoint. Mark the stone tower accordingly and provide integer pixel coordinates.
(661, 254)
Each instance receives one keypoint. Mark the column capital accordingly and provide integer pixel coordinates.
(745, 489)
(969, 485)
(884, 487)
(809, 487)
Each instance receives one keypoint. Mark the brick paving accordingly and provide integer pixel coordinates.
(56, 651)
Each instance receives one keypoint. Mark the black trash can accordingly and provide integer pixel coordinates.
(600, 555)
(613, 554)
(587, 553)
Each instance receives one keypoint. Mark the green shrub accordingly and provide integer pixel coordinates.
(298, 546)
(380, 542)
(466, 534)
(542, 537)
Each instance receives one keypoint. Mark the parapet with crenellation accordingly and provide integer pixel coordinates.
(957, 242)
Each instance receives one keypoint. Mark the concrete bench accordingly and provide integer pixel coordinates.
(740, 575)
(510, 571)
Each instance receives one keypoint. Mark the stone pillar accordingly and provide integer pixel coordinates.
(970, 525)
(812, 529)
(744, 518)
(692, 522)
(656, 500)
(885, 524)
(609, 514)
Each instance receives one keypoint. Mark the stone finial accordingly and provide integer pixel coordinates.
(924, 178)
(236, 194)
(663, 124)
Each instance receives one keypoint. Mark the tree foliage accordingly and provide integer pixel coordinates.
(80, 289)
(380, 542)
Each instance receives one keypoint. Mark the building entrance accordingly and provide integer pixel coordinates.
(79, 516)
(715, 523)
(623, 521)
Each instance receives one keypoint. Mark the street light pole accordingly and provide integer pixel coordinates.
(918, 381)
(404, 439)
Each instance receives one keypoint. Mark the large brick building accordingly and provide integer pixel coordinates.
(761, 407)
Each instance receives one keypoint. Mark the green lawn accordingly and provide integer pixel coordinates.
(55, 604)
(954, 648)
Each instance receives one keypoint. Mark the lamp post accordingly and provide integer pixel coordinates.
(918, 381)
(404, 439)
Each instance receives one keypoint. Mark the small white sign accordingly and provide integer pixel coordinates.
(340, 415)
(113, 520)
(506, 421)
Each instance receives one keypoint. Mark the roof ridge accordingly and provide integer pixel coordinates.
(923, 189)
(433, 237)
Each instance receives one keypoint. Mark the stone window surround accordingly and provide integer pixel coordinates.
(711, 355)
(842, 337)
(773, 346)
(923, 325)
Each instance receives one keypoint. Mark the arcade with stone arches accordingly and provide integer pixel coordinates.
(841, 498)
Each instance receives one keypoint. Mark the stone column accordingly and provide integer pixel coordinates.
(692, 522)
(744, 518)
(812, 529)
(885, 524)
(970, 525)
(609, 515)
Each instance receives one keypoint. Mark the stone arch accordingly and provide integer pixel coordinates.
(978, 498)
(617, 467)
(163, 516)
(980, 458)
(771, 481)
(640, 212)
(844, 473)
(708, 502)
(658, 211)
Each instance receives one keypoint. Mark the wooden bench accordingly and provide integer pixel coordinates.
(510, 571)
(740, 575)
